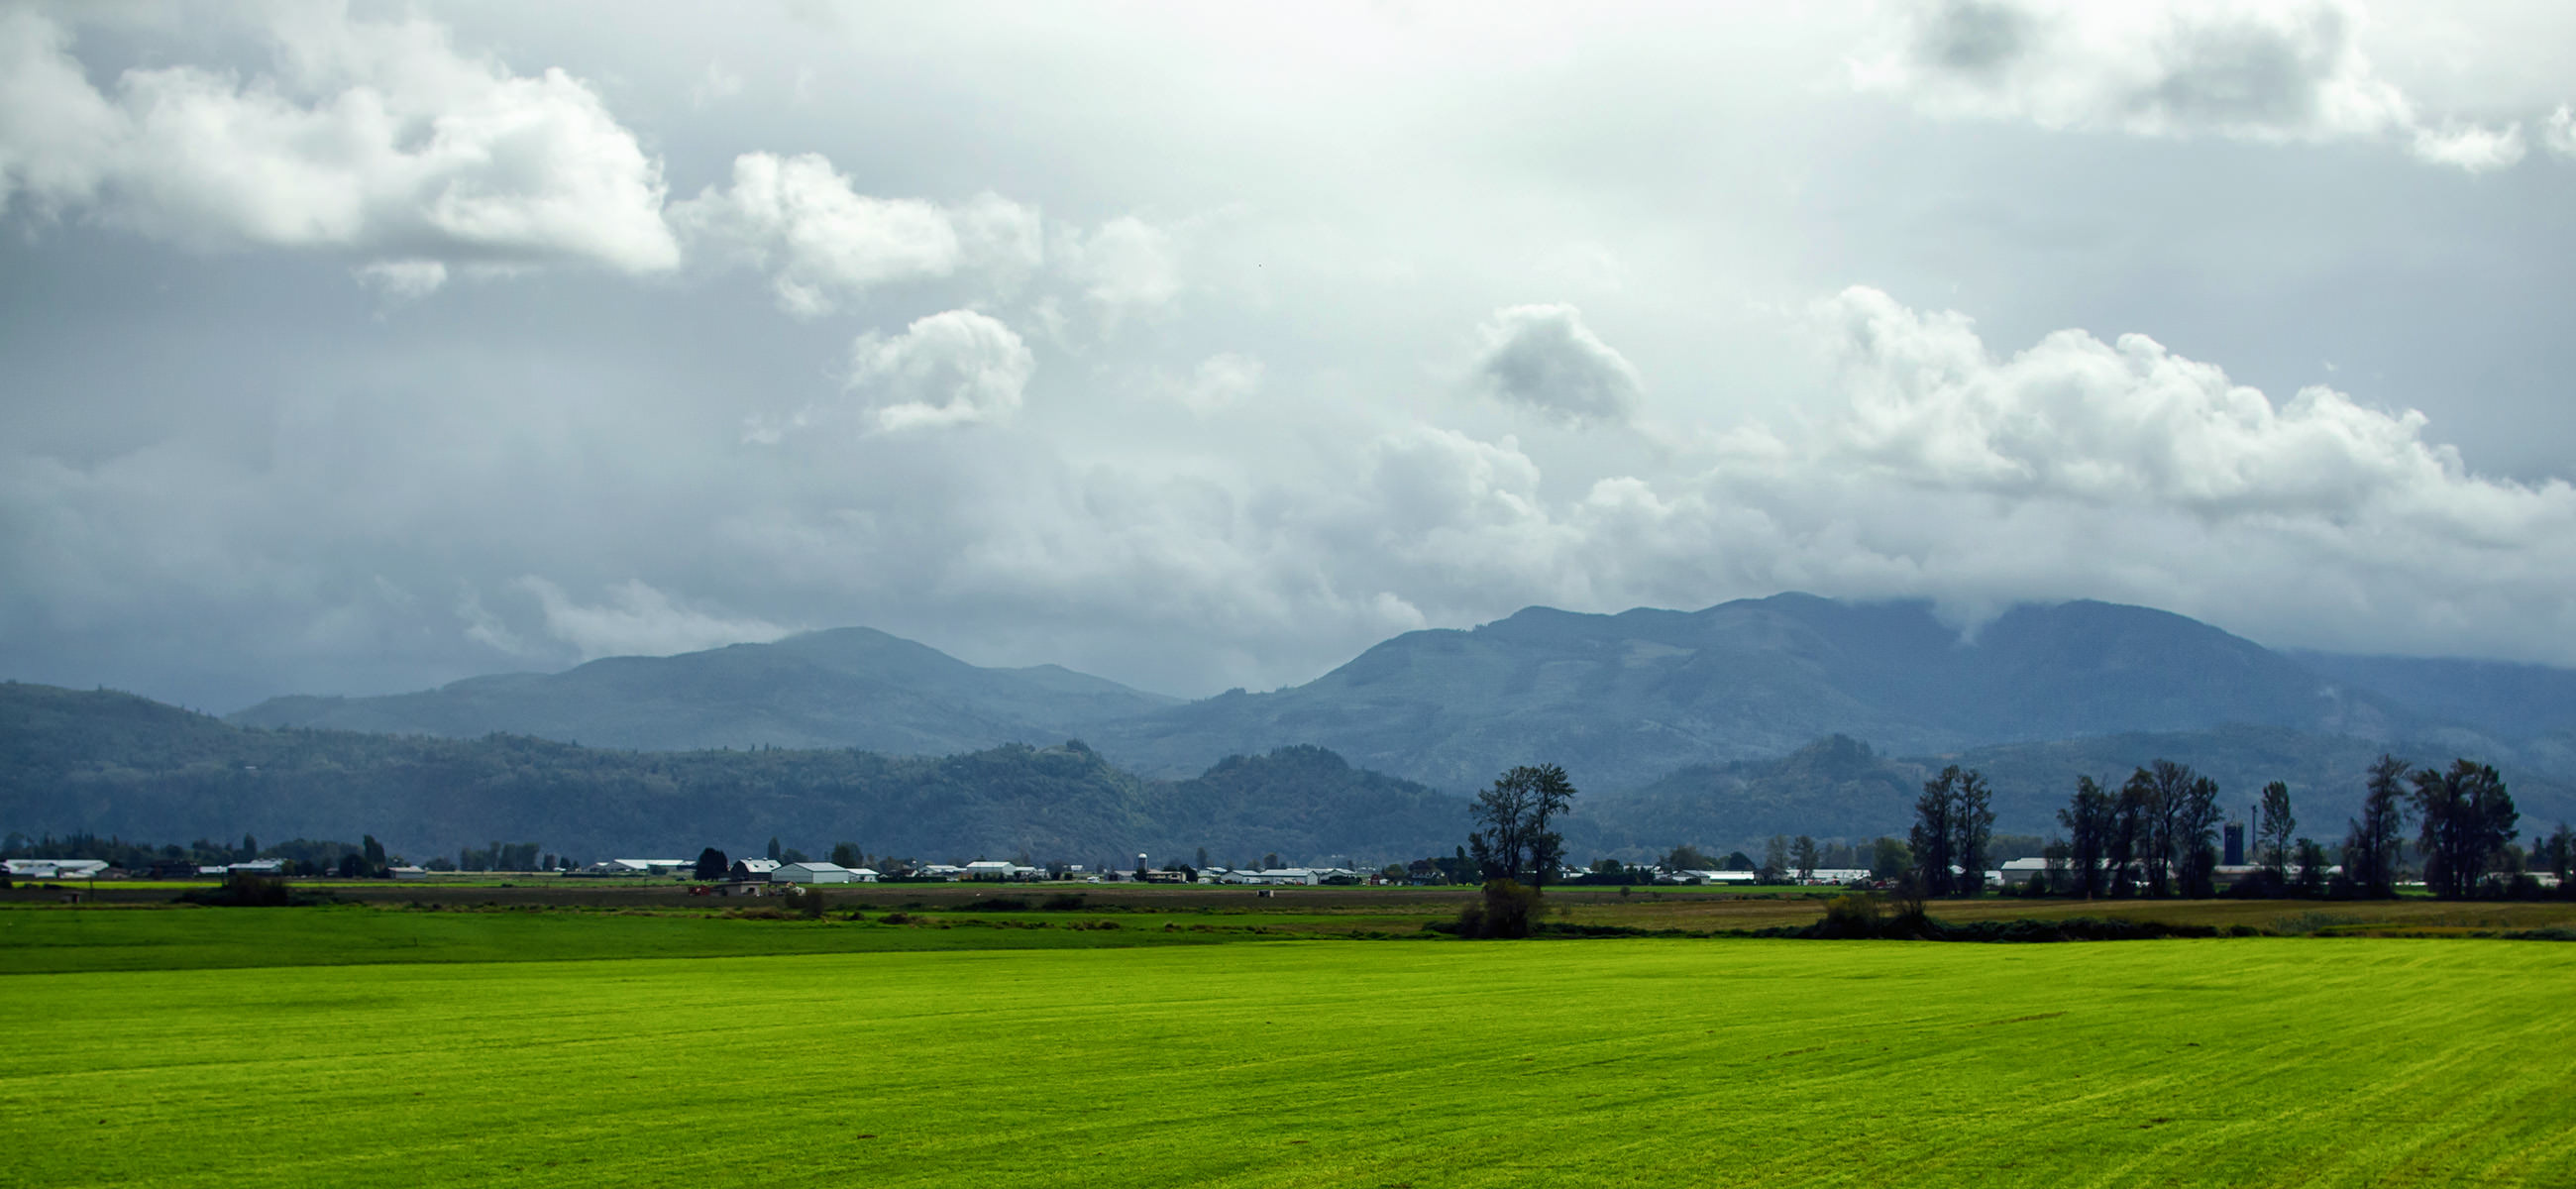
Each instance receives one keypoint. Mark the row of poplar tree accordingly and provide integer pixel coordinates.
(2157, 834)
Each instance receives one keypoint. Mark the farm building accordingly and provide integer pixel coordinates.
(751, 870)
(813, 873)
(997, 869)
(55, 868)
(407, 872)
(616, 867)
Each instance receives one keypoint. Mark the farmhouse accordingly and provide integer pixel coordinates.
(751, 870)
(814, 873)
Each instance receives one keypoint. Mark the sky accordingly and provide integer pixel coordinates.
(351, 349)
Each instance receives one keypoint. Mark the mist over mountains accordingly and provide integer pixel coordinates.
(849, 687)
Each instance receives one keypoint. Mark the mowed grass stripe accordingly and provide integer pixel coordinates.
(2245, 1062)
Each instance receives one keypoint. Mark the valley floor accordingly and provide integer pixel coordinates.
(442, 1047)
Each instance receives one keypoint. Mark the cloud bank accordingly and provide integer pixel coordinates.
(2280, 71)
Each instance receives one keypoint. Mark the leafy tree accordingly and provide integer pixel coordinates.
(1686, 858)
(2559, 852)
(1270, 862)
(1775, 861)
(2160, 788)
(1972, 822)
(2467, 817)
(2273, 828)
(846, 854)
(1736, 860)
(1889, 858)
(2131, 813)
(2311, 881)
(773, 848)
(1802, 853)
(2196, 837)
(712, 864)
(1516, 842)
(1934, 832)
(2376, 839)
(2089, 819)
(372, 853)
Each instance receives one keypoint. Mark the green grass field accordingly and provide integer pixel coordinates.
(1628, 1062)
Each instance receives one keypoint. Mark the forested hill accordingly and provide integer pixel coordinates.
(848, 687)
(111, 763)
(1619, 700)
(1622, 699)
(114, 764)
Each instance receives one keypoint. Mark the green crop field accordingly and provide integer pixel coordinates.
(1314, 1062)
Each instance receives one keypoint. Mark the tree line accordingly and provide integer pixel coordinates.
(2158, 834)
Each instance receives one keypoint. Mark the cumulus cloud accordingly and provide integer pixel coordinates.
(2274, 72)
(375, 138)
(1544, 357)
(822, 241)
(956, 368)
(634, 620)
(2130, 422)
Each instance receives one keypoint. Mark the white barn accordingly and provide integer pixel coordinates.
(814, 873)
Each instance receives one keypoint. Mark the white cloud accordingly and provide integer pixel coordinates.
(379, 139)
(1544, 357)
(2274, 72)
(638, 620)
(403, 280)
(956, 368)
(1126, 267)
(715, 83)
(1221, 381)
(822, 241)
(2131, 423)
(2560, 133)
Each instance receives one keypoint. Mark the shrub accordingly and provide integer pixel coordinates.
(1504, 911)
(1852, 914)
(249, 891)
(996, 904)
(1063, 902)
(810, 902)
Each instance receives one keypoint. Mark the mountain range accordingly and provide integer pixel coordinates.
(1718, 727)
(1619, 700)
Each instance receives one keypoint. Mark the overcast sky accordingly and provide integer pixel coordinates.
(358, 349)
